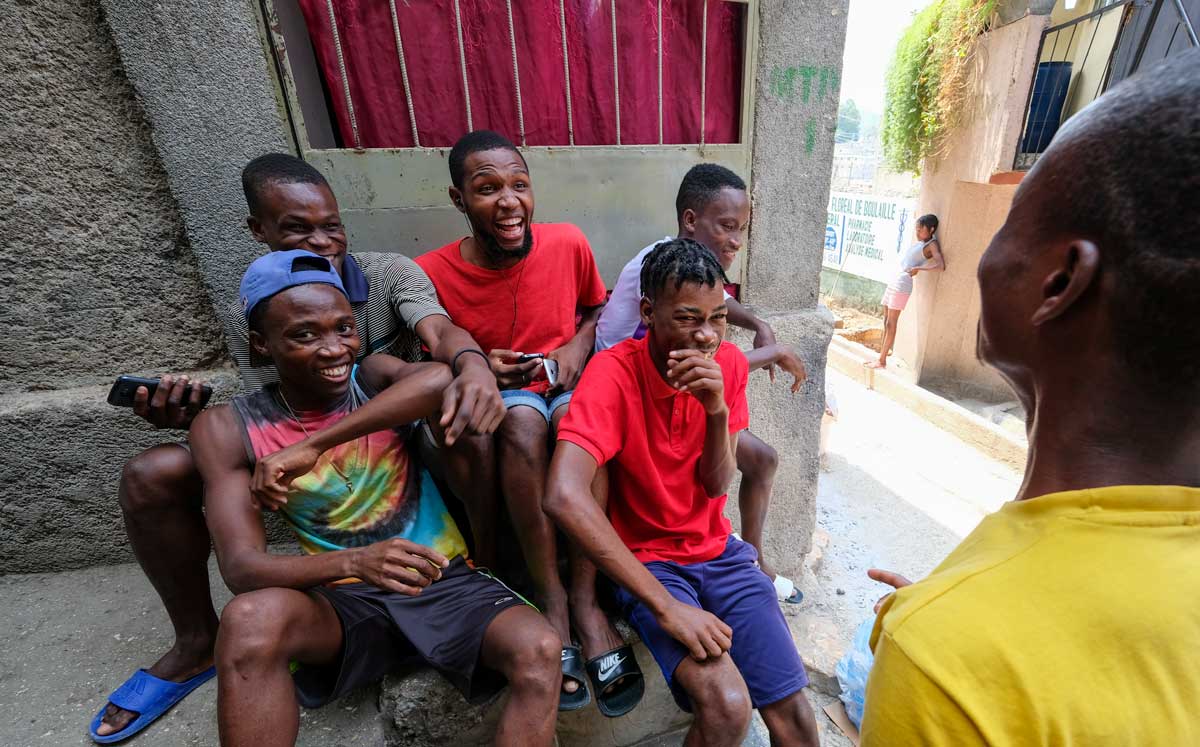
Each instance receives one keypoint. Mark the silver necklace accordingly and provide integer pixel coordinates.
(292, 413)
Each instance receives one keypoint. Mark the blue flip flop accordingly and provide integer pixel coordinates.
(147, 696)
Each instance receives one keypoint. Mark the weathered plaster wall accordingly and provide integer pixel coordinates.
(126, 222)
(98, 276)
(99, 279)
(206, 84)
(797, 76)
(984, 144)
(975, 213)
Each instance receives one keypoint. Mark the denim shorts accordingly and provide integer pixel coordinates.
(544, 404)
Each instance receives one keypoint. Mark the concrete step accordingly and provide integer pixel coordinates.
(70, 638)
(65, 450)
(847, 357)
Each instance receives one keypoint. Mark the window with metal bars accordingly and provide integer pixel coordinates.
(543, 72)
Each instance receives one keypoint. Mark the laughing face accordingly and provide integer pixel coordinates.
(497, 198)
(300, 216)
(308, 331)
(690, 317)
(721, 224)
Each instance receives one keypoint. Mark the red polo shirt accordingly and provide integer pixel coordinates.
(625, 415)
(532, 306)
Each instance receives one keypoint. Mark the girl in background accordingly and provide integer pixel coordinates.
(924, 255)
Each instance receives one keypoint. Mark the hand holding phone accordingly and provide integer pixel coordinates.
(513, 369)
(169, 402)
(550, 367)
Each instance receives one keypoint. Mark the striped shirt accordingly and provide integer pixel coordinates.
(398, 296)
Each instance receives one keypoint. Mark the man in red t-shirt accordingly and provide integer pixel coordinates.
(664, 413)
(522, 289)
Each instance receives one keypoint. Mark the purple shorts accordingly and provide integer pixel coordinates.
(732, 587)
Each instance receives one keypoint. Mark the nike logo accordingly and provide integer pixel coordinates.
(608, 665)
(502, 601)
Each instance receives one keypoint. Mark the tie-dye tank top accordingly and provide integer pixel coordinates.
(393, 495)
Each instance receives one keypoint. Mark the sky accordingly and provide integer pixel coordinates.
(873, 28)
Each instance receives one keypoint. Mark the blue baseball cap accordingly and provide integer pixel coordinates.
(278, 271)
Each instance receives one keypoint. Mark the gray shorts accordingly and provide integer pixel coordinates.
(383, 631)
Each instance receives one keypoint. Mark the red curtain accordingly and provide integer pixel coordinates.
(429, 34)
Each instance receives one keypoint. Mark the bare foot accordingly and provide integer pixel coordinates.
(596, 633)
(180, 664)
(556, 613)
(876, 364)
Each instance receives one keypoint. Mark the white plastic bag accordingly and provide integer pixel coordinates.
(852, 671)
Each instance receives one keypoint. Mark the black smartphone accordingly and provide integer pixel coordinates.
(530, 357)
(125, 387)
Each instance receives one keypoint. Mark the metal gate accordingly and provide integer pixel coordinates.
(394, 199)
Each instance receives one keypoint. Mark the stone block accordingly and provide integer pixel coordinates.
(791, 424)
(423, 710)
(795, 114)
(63, 454)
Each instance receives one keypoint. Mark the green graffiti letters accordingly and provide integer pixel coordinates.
(782, 82)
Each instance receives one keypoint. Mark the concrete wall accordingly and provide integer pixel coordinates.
(975, 213)
(798, 72)
(207, 84)
(99, 277)
(851, 290)
(984, 144)
(125, 128)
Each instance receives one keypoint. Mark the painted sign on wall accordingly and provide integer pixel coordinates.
(865, 233)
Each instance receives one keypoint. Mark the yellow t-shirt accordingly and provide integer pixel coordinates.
(1068, 619)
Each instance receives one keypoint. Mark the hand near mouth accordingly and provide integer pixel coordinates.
(695, 372)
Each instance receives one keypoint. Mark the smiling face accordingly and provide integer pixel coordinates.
(308, 331)
(720, 225)
(300, 216)
(497, 198)
(691, 317)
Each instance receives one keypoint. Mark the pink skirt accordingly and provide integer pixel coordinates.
(894, 299)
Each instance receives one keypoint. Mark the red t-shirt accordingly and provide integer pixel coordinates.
(531, 307)
(624, 414)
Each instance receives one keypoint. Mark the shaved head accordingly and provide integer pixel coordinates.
(1125, 174)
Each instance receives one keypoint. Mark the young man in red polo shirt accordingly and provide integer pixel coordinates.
(523, 288)
(664, 413)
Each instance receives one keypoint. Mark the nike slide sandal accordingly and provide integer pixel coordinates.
(787, 591)
(572, 669)
(618, 681)
(147, 696)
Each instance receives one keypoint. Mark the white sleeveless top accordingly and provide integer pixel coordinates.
(913, 256)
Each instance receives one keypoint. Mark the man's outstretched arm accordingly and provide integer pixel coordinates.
(570, 504)
(740, 316)
(472, 402)
(241, 543)
(779, 355)
(407, 392)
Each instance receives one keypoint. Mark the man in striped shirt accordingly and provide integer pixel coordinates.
(292, 207)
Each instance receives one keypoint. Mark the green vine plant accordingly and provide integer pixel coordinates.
(929, 79)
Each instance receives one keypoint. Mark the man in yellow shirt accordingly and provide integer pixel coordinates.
(1072, 615)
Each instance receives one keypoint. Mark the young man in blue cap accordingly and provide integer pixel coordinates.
(291, 206)
(384, 577)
